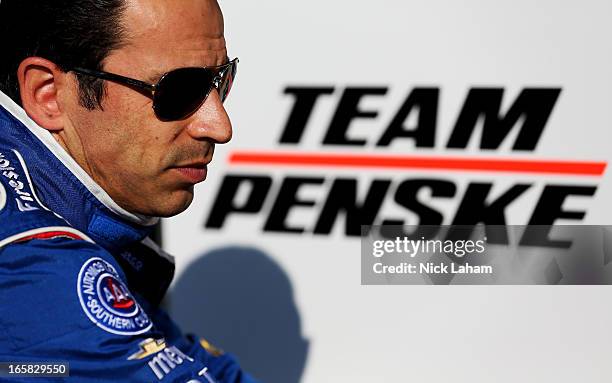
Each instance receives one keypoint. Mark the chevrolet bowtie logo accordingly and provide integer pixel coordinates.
(149, 347)
(214, 351)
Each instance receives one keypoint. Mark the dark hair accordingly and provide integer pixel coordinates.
(69, 33)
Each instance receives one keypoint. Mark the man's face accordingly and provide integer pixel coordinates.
(148, 166)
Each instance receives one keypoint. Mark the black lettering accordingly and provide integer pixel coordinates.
(550, 208)
(347, 111)
(425, 100)
(406, 195)
(305, 100)
(474, 209)
(286, 200)
(225, 203)
(533, 106)
(342, 197)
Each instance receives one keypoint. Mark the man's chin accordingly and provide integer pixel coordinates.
(174, 204)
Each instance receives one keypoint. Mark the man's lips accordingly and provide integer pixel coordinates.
(193, 174)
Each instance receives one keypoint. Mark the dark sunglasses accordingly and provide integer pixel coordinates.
(180, 92)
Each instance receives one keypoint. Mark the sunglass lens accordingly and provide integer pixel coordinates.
(181, 92)
(228, 80)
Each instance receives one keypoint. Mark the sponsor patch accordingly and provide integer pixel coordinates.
(107, 301)
(23, 192)
(2, 197)
(214, 351)
(148, 347)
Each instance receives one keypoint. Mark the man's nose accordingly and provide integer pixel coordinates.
(211, 121)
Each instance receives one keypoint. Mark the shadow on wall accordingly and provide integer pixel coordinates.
(240, 300)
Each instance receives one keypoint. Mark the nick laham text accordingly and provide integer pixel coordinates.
(432, 268)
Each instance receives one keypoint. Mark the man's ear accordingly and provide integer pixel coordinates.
(39, 83)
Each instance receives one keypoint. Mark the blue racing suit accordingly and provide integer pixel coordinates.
(80, 282)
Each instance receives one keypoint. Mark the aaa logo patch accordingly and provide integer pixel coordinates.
(107, 301)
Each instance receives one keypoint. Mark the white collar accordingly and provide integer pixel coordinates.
(54, 147)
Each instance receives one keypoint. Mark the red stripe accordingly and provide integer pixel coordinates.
(50, 235)
(576, 168)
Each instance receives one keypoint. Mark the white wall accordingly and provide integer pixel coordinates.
(398, 333)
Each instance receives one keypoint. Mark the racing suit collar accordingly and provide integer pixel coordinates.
(65, 188)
